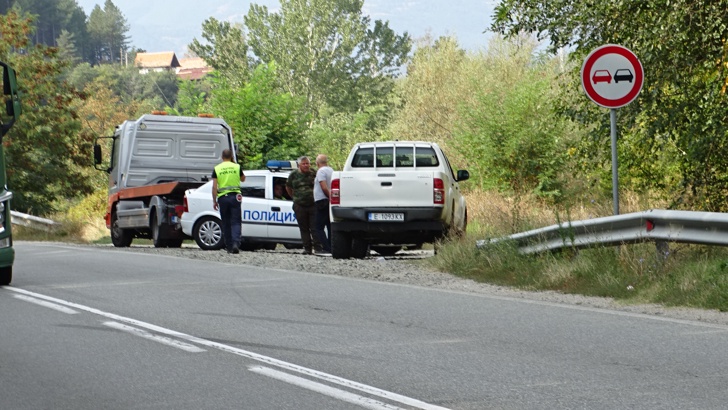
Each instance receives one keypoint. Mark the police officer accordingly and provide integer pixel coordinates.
(226, 179)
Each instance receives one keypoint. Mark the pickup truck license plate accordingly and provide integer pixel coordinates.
(379, 216)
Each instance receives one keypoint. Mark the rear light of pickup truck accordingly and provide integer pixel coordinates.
(334, 197)
(438, 194)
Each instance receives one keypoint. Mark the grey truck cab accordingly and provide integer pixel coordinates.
(153, 161)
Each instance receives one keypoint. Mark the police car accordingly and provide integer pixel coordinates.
(268, 219)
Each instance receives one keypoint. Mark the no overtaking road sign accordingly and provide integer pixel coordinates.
(612, 76)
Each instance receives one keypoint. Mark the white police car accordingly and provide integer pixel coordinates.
(267, 221)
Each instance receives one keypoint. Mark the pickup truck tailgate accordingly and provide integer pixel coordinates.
(386, 188)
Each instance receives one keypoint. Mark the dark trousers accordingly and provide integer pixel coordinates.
(306, 216)
(323, 220)
(231, 217)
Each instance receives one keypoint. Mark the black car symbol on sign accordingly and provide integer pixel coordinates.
(623, 74)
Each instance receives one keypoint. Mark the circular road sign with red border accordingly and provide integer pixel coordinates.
(612, 76)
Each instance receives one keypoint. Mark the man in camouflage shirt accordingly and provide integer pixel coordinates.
(300, 186)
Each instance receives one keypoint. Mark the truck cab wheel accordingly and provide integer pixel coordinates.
(121, 238)
(157, 241)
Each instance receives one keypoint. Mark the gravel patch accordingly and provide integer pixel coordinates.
(410, 268)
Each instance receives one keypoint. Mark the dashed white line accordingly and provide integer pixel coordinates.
(160, 339)
(338, 394)
(46, 304)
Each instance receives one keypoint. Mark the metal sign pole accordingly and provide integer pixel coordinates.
(615, 176)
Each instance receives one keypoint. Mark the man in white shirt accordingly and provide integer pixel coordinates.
(321, 186)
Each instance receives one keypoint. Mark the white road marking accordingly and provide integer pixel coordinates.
(244, 353)
(160, 339)
(338, 394)
(46, 304)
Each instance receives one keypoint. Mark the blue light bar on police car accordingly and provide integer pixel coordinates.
(276, 165)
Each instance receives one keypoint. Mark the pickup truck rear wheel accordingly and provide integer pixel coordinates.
(340, 245)
(359, 248)
(121, 238)
(207, 232)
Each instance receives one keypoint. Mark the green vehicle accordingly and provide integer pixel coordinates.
(8, 116)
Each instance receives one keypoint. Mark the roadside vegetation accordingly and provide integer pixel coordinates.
(513, 114)
(685, 275)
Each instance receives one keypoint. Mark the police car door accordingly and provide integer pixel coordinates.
(285, 226)
(255, 208)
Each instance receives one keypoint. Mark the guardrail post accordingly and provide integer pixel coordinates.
(663, 251)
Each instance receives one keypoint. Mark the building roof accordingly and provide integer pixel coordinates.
(165, 59)
(192, 62)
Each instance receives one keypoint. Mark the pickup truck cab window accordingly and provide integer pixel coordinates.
(387, 157)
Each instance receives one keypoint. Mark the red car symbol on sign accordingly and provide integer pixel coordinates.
(602, 76)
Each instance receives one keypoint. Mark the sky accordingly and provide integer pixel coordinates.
(170, 25)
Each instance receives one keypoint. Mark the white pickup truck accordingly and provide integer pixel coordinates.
(392, 194)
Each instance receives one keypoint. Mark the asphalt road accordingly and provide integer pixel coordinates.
(90, 328)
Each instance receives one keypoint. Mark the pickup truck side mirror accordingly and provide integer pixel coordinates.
(463, 175)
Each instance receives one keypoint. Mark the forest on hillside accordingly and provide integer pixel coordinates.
(513, 114)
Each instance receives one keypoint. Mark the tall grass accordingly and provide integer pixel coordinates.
(79, 222)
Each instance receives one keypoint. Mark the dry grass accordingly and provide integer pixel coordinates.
(492, 214)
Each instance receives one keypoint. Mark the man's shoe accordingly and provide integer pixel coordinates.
(235, 250)
(306, 253)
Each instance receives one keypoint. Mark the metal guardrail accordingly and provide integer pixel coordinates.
(34, 222)
(655, 225)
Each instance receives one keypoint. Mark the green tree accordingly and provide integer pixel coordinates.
(47, 23)
(224, 49)
(54, 16)
(509, 130)
(680, 119)
(191, 99)
(45, 151)
(108, 28)
(327, 53)
(267, 122)
(435, 85)
(67, 47)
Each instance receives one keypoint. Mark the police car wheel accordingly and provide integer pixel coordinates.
(207, 232)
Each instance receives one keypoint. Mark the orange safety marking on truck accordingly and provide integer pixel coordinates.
(137, 192)
(149, 190)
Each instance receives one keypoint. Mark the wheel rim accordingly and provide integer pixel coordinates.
(210, 233)
(115, 230)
